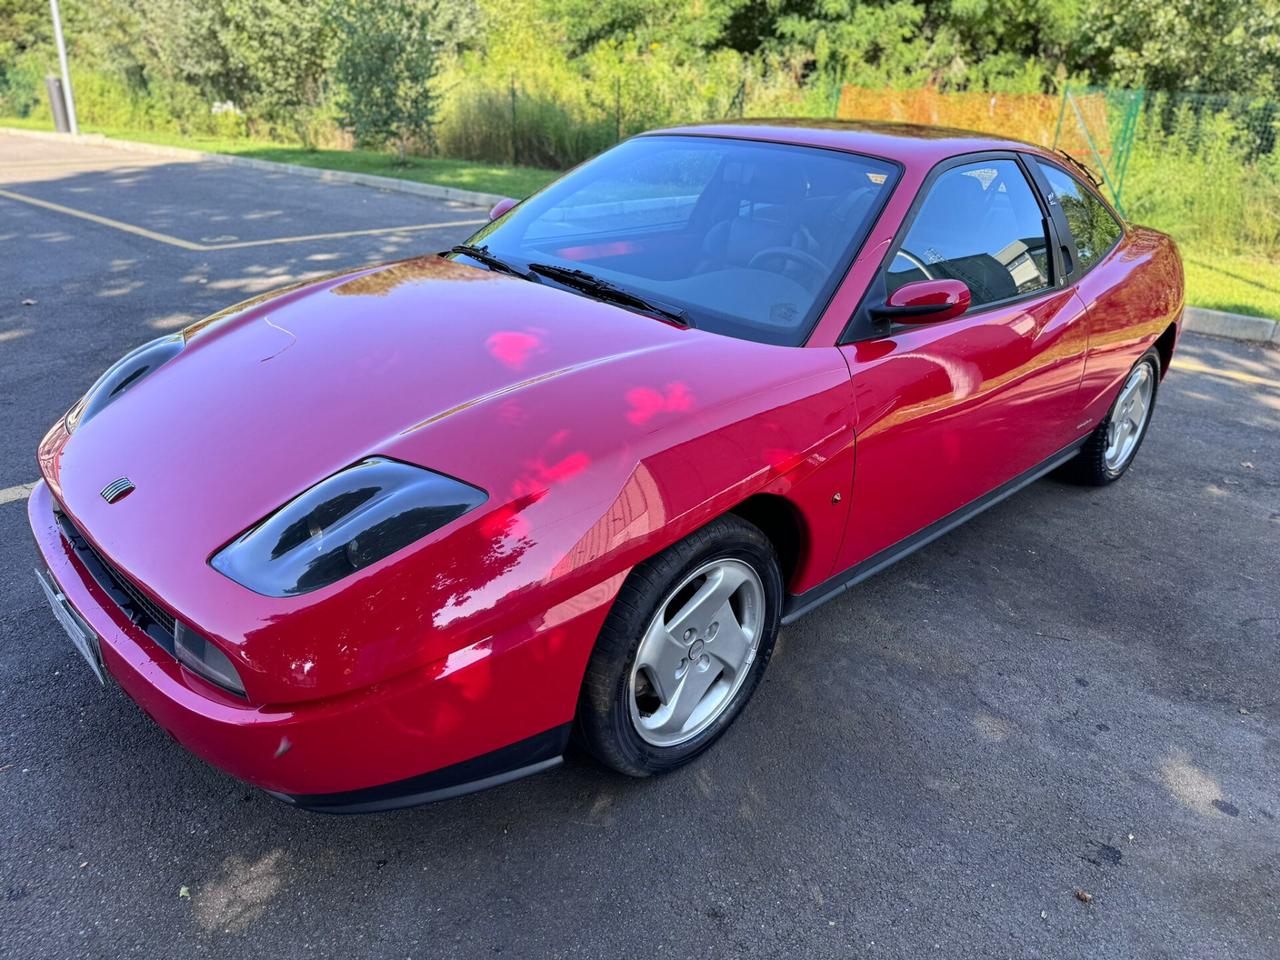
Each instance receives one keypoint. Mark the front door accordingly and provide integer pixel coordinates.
(949, 411)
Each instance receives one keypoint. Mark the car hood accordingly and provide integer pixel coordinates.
(273, 395)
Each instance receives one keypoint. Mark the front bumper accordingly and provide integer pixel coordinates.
(466, 722)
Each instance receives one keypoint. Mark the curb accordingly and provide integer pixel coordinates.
(435, 191)
(1234, 326)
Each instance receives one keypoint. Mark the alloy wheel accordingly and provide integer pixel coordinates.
(696, 652)
(1129, 417)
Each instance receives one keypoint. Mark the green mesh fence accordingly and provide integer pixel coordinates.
(1104, 128)
(1204, 168)
(1097, 127)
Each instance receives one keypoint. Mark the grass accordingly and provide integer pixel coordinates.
(486, 177)
(1234, 283)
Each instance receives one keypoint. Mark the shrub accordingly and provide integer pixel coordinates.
(387, 66)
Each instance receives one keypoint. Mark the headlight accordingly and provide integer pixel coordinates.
(122, 375)
(344, 523)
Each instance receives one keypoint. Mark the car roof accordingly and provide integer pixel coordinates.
(908, 143)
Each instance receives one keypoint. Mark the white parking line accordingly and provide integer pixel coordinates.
(104, 221)
(19, 492)
(235, 245)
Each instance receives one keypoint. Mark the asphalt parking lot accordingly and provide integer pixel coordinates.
(1075, 692)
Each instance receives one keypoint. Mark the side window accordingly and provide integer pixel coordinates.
(1092, 226)
(980, 224)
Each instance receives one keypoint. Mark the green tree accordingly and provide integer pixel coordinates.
(990, 44)
(168, 52)
(387, 66)
(1220, 46)
(281, 52)
(24, 24)
(26, 46)
(691, 26)
(853, 42)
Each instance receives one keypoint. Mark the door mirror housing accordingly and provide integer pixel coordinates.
(501, 207)
(925, 301)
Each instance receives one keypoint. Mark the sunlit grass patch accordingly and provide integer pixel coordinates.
(1236, 284)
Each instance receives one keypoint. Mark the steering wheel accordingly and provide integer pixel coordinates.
(818, 269)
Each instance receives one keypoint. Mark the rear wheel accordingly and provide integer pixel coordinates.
(682, 650)
(1111, 448)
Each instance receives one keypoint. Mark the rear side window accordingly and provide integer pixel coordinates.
(979, 224)
(1092, 226)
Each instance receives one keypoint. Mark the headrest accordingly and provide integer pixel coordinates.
(952, 203)
(776, 181)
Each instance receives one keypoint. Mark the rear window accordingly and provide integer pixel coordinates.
(1093, 228)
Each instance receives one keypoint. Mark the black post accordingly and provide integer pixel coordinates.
(617, 109)
(58, 103)
(514, 154)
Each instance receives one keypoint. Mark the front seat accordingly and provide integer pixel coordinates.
(767, 215)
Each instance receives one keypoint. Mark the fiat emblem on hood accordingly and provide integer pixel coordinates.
(117, 490)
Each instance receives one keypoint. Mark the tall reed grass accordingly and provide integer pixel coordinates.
(1203, 180)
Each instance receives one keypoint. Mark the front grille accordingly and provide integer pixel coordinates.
(141, 609)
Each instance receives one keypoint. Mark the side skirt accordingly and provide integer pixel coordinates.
(521, 759)
(797, 605)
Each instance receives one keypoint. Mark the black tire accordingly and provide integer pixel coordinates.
(604, 723)
(1090, 466)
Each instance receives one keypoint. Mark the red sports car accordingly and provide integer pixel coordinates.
(400, 533)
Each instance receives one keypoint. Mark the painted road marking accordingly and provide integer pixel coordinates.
(19, 492)
(238, 245)
(1195, 366)
(103, 221)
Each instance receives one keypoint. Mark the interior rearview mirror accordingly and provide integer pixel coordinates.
(925, 301)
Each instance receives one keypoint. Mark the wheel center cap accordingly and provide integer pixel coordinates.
(695, 650)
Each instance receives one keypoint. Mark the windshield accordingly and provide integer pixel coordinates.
(737, 237)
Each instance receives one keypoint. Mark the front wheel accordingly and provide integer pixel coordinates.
(1112, 447)
(682, 650)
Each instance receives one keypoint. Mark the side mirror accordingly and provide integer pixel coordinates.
(501, 207)
(925, 301)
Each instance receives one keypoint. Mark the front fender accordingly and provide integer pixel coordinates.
(588, 474)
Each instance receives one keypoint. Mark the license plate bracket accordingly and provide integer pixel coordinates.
(80, 633)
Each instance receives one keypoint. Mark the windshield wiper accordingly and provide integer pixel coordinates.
(495, 263)
(604, 290)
